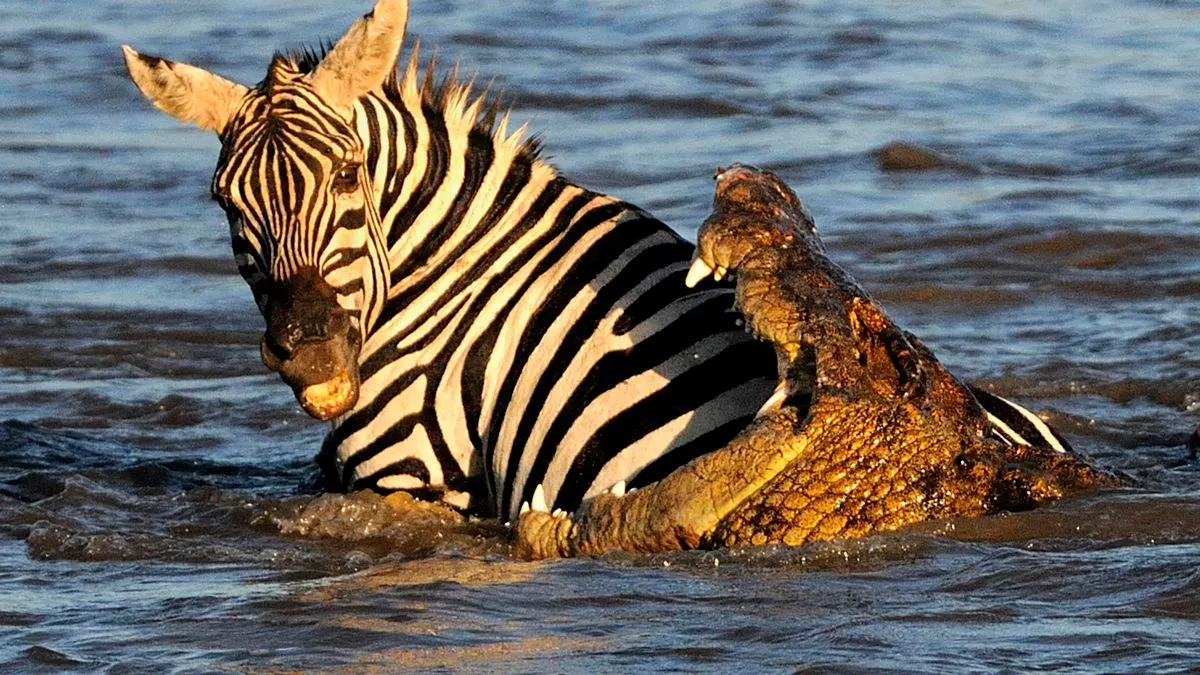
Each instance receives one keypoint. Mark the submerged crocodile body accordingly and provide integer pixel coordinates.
(868, 432)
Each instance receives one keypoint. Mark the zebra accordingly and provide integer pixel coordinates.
(477, 329)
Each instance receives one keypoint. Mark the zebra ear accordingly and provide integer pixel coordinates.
(365, 56)
(185, 92)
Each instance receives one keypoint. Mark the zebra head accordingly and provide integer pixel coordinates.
(294, 181)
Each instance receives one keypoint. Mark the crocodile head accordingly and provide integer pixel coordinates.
(888, 438)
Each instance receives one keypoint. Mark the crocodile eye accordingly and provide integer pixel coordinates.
(345, 179)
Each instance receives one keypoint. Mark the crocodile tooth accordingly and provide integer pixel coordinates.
(539, 499)
(720, 273)
(618, 489)
(777, 398)
(697, 272)
(524, 508)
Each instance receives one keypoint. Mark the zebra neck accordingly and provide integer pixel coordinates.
(492, 271)
(444, 179)
(449, 189)
(441, 370)
(472, 220)
(508, 288)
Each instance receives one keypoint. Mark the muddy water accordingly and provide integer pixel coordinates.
(157, 503)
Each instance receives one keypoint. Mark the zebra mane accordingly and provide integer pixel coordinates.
(453, 98)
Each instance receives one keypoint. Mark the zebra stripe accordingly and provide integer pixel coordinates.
(1016, 425)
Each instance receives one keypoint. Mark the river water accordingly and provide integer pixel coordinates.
(157, 508)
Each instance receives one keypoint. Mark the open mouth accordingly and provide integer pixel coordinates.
(323, 375)
(330, 398)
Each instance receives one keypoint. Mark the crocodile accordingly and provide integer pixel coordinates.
(868, 432)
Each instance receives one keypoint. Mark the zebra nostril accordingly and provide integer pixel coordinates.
(281, 341)
(339, 322)
(292, 326)
(273, 355)
(298, 332)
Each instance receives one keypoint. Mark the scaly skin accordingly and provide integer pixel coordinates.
(877, 434)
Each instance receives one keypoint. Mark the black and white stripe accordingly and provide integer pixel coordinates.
(1015, 425)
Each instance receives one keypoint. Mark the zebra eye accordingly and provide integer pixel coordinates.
(346, 179)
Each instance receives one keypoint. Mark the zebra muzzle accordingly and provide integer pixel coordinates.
(311, 342)
(323, 375)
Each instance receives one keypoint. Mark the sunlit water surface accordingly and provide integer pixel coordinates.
(156, 499)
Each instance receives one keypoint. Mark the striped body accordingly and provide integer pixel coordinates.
(533, 331)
